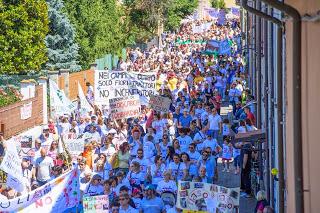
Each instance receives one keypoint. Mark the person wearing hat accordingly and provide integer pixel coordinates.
(150, 203)
(95, 186)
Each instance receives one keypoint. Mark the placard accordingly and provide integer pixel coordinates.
(74, 144)
(96, 204)
(198, 196)
(125, 107)
(119, 84)
(26, 111)
(27, 148)
(160, 103)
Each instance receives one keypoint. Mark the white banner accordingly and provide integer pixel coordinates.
(58, 100)
(26, 111)
(11, 162)
(56, 196)
(125, 107)
(96, 204)
(117, 84)
(85, 107)
(198, 196)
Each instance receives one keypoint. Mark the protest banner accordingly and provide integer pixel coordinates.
(11, 162)
(59, 102)
(213, 46)
(198, 196)
(224, 47)
(74, 144)
(58, 195)
(159, 103)
(117, 84)
(26, 111)
(212, 12)
(96, 204)
(125, 107)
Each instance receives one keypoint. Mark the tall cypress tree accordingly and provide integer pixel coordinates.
(62, 49)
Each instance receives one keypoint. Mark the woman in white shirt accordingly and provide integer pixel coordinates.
(177, 168)
(157, 169)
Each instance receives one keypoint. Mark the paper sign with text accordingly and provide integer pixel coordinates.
(26, 111)
(125, 107)
(74, 144)
(96, 204)
(160, 104)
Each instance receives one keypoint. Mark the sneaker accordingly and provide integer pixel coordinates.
(224, 169)
(228, 170)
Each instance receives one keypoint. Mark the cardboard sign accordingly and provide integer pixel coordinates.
(73, 144)
(125, 107)
(160, 104)
(96, 204)
(26, 111)
(198, 196)
(26, 144)
(120, 84)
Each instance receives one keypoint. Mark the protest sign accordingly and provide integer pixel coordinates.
(96, 204)
(224, 47)
(26, 111)
(198, 196)
(222, 17)
(235, 11)
(58, 100)
(212, 12)
(159, 103)
(213, 46)
(11, 162)
(125, 107)
(58, 195)
(74, 144)
(117, 84)
(26, 146)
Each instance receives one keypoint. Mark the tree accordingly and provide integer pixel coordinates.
(218, 4)
(62, 49)
(24, 25)
(100, 28)
(177, 11)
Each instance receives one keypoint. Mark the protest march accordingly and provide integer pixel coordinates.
(146, 136)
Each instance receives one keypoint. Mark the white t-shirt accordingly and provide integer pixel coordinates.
(226, 151)
(148, 149)
(225, 129)
(210, 143)
(177, 169)
(108, 152)
(214, 121)
(144, 163)
(157, 176)
(135, 178)
(44, 166)
(184, 142)
(92, 190)
(167, 186)
(158, 126)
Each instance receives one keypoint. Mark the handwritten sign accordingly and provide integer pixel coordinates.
(74, 144)
(160, 104)
(125, 107)
(96, 204)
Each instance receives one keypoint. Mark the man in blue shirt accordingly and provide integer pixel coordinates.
(151, 203)
(185, 119)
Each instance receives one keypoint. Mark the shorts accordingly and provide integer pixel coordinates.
(236, 161)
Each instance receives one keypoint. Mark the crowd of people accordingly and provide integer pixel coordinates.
(138, 161)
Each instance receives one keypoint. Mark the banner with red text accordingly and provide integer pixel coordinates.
(160, 103)
(58, 195)
(125, 107)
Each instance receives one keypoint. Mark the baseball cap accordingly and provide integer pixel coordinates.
(150, 187)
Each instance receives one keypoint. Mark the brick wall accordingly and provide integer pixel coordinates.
(81, 77)
(10, 120)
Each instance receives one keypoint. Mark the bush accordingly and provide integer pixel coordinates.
(7, 97)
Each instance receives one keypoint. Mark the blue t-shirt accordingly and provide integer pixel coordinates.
(154, 205)
(185, 121)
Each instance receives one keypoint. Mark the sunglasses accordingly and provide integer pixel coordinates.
(122, 198)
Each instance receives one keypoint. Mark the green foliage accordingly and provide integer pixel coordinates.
(178, 10)
(100, 28)
(218, 4)
(62, 49)
(24, 25)
(7, 97)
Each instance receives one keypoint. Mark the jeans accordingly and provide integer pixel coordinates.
(214, 133)
(246, 181)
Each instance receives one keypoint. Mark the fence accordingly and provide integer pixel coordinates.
(110, 61)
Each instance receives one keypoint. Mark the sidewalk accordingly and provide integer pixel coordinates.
(231, 180)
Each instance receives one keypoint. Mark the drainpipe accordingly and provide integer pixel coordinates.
(296, 84)
(279, 97)
(258, 70)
